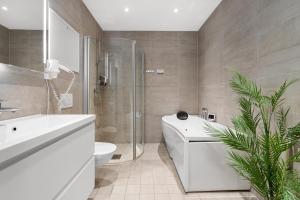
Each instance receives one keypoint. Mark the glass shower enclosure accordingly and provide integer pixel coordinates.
(114, 92)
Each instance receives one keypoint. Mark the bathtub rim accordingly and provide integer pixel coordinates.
(199, 138)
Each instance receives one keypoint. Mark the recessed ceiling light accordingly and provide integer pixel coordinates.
(126, 9)
(4, 8)
(176, 10)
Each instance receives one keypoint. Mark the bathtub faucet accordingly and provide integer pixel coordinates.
(204, 113)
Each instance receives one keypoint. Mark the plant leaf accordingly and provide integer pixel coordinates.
(276, 97)
(260, 138)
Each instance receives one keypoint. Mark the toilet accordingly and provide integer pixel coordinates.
(103, 153)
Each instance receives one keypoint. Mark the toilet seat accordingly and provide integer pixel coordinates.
(103, 152)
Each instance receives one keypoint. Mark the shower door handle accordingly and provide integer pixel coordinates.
(109, 74)
(138, 114)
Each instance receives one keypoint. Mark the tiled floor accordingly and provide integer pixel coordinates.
(151, 177)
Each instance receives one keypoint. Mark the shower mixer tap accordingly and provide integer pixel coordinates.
(6, 109)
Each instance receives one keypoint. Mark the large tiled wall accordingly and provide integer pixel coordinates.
(27, 91)
(259, 38)
(176, 53)
(4, 44)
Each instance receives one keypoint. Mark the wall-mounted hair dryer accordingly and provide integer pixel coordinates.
(53, 69)
(51, 72)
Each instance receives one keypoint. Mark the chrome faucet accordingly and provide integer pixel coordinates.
(6, 109)
(204, 113)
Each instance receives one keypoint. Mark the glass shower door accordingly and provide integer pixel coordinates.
(114, 92)
(117, 121)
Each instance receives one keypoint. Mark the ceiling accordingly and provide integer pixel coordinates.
(22, 14)
(151, 15)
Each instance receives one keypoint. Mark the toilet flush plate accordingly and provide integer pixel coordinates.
(67, 101)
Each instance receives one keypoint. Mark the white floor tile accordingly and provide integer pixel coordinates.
(151, 177)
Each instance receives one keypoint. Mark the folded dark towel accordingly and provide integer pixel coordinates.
(182, 115)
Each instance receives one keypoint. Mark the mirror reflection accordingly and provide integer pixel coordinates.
(21, 33)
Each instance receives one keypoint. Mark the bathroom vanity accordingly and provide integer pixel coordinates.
(46, 157)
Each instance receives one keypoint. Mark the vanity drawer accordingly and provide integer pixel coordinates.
(82, 185)
(45, 173)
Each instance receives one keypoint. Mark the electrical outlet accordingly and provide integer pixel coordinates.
(67, 101)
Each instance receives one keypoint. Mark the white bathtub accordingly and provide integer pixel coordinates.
(200, 159)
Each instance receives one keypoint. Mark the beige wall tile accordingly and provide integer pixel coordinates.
(259, 43)
(259, 38)
(176, 53)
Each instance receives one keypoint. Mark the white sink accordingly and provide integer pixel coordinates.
(22, 134)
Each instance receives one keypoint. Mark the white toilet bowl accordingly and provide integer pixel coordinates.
(103, 153)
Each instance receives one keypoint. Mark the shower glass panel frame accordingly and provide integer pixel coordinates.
(120, 76)
(139, 94)
(90, 67)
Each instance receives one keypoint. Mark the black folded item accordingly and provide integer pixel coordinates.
(182, 115)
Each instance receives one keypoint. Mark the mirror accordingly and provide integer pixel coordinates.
(21, 33)
(63, 42)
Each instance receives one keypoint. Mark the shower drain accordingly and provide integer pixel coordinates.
(116, 156)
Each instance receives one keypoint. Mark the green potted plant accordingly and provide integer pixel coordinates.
(260, 139)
